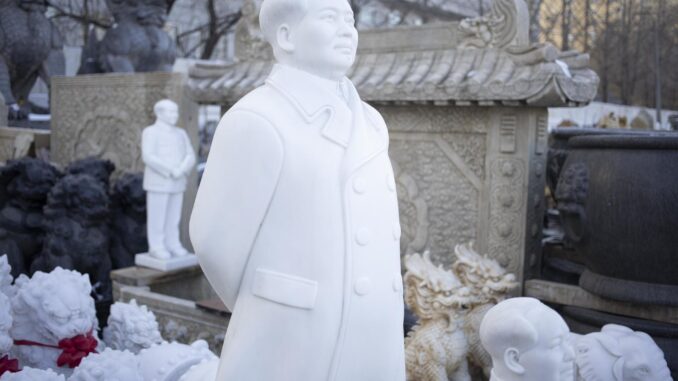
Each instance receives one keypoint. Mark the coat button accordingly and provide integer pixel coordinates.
(362, 286)
(396, 232)
(398, 283)
(390, 182)
(359, 185)
(362, 237)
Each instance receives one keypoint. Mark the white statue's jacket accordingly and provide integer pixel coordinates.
(296, 226)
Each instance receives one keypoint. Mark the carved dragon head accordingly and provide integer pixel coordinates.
(430, 290)
(484, 276)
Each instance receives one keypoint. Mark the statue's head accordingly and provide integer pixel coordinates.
(317, 36)
(167, 111)
(527, 341)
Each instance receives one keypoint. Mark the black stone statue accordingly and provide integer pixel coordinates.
(76, 231)
(136, 43)
(128, 220)
(24, 185)
(100, 169)
(30, 47)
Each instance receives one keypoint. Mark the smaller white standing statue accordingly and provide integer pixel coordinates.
(618, 353)
(109, 365)
(169, 159)
(131, 328)
(54, 320)
(32, 374)
(527, 341)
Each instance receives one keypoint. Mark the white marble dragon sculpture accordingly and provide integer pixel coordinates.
(450, 305)
(131, 327)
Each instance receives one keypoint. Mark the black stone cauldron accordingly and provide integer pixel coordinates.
(618, 200)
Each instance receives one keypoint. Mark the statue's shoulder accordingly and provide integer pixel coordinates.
(263, 101)
(373, 114)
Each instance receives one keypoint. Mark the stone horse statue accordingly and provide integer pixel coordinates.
(30, 48)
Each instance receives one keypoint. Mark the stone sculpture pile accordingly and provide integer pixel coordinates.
(48, 332)
(466, 319)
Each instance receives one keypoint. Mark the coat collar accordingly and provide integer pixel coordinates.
(314, 96)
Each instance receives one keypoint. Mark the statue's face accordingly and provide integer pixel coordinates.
(325, 40)
(552, 358)
(169, 114)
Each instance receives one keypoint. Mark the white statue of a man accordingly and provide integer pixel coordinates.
(296, 220)
(527, 341)
(169, 158)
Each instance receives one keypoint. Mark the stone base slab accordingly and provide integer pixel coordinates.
(146, 260)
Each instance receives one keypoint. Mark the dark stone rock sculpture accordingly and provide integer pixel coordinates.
(24, 185)
(128, 220)
(30, 47)
(77, 233)
(100, 169)
(136, 43)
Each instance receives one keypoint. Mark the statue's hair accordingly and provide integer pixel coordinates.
(163, 105)
(511, 323)
(274, 13)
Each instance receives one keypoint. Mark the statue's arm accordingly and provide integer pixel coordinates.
(147, 154)
(189, 160)
(236, 189)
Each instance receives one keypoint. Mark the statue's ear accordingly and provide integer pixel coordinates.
(284, 38)
(610, 344)
(618, 369)
(512, 361)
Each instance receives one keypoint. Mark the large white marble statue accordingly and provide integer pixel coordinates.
(527, 341)
(296, 221)
(131, 327)
(54, 320)
(169, 159)
(617, 353)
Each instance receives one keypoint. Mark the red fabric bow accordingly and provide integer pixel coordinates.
(8, 365)
(73, 350)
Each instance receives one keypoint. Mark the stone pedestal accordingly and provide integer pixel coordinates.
(146, 260)
(103, 115)
(470, 174)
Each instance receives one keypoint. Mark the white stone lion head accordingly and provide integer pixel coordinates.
(110, 365)
(131, 327)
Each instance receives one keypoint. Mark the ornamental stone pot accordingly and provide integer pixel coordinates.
(618, 198)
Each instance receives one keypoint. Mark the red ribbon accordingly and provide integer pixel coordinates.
(8, 365)
(73, 350)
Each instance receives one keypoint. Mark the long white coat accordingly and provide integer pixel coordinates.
(296, 227)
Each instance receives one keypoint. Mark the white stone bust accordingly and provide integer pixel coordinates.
(527, 341)
(296, 221)
(169, 159)
(617, 353)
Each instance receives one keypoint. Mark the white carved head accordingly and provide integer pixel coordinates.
(110, 365)
(485, 276)
(131, 328)
(167, 111)
(620, 354)
(56, 305)
(527, 341)
(169, 361)
(32, 374)
(317, 36)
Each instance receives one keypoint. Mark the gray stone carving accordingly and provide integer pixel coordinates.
(30, 48)
(136, 42)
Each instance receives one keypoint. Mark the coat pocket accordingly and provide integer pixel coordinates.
(285, 289)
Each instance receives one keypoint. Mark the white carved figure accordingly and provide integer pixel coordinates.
(6, 278)
(296, 220)
(170, 361)
(33, 374)
(618, 353)
(131, 327)
(109, 365)
(169, 158)
(450, 306)
(54, 320)
(527, 341)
